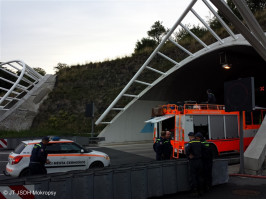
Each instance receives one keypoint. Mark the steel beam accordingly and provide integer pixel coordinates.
(228, 13)
(251, 21)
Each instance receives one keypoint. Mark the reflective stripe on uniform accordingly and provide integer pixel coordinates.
(158, 140)
(205, 143)
(194, 141)
(37, 145)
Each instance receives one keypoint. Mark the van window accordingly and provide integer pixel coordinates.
(20, 148)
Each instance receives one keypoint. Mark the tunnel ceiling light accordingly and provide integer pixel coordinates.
(226, 66)
(224, 61)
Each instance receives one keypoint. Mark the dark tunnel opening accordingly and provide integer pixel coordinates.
(191, 81)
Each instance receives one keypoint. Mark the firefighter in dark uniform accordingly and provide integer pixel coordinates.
(207, 159)
(38, 158)
(211, 97)
(193, 151)
(163, 147)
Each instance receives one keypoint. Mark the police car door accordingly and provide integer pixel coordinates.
(56, 158)
(75, 159)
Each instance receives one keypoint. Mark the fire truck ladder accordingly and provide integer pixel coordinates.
(253, 33)
(179, 136)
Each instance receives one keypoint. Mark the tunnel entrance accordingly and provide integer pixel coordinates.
(192, 80)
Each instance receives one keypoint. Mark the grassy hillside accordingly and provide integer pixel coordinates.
(101, 82)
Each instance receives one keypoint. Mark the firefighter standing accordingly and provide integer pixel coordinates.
(163, 147)
(38, 158)
(207, 159)
(193, 151)
(211, 97)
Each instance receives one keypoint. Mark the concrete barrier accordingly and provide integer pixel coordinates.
(182, 176)
(155, 180)
(137, 181)
(220, 172)
(82, 185)
(103, 184)
(169, 177)
(122, 183)
(41, 183)
(62, 184)
(12, 181)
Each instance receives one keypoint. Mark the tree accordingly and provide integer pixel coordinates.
(60, 66)
(197, 30)
(254, 6)
(40, 70)
(157, 31)
(144, 43)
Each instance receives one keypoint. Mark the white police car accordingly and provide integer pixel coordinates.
(64, 155)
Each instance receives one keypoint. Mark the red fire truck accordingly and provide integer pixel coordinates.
(217, 126)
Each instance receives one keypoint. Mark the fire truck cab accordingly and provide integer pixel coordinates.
(217, 126)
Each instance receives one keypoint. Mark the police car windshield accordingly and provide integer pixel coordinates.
(20, 148)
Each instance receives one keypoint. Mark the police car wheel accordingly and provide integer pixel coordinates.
(25, 172)
(97, 164)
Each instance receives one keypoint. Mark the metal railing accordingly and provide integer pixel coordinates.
(16, 79)
(251, 37)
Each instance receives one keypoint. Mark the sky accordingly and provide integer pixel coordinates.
(44, 33)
